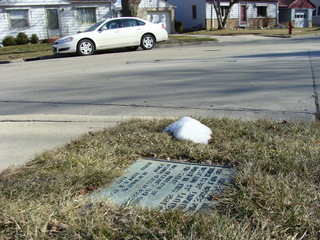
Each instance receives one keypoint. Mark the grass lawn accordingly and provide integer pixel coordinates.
(276, 193)
(25, 51)
(284, 32)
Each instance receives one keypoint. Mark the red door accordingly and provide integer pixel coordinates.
(243, 15)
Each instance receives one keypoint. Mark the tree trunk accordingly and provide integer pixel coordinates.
(130, 8)
(227, 14)
(217, 8)
(125, 8)
(222, 22)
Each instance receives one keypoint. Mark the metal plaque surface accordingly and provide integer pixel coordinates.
(166, 185)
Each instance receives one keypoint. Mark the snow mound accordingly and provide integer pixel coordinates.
(188, 128)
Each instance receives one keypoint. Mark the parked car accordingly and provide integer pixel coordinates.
(121, 32)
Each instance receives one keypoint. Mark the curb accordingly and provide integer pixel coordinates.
(12, 61)
(71, 118)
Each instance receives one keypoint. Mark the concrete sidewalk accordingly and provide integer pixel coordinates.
(23, 137)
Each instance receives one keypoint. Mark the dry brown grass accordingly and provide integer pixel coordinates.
(276, 193)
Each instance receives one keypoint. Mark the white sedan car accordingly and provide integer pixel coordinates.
(121, 32)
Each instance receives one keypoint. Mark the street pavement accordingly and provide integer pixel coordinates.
(23, 136)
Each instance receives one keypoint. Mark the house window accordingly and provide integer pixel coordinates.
(318, 14)
(19, 19)
(261, 11)
(86, 15)
(194, 11)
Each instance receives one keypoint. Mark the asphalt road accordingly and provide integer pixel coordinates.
(243, 77)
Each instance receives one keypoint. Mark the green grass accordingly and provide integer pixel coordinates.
(25, 51)
(276, 193)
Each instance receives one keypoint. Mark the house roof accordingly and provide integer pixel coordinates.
(296, 4)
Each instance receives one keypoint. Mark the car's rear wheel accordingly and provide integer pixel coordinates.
(85, 47)
(148, 41)
(134, 48)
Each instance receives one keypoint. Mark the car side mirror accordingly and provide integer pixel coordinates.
(103, 28)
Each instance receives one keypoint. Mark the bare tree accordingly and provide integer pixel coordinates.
(223, 17)
(130, 8)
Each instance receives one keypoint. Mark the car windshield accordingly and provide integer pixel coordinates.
(94, 27)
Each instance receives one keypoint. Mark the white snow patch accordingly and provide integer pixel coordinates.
(188, 128)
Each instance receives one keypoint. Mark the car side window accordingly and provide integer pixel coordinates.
(141, 23)
(129, 23)
(104, 27)
(113, 24)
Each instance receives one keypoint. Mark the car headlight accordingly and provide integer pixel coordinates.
(65, 40)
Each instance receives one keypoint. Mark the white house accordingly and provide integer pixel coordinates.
(56, 18)
(251, 13)
(316, 13)
(297, 11)
(51, 18)
(191, 12)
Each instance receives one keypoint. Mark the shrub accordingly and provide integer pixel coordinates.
(178, 26)
(34, 39)
(22, 39)
(9, 41)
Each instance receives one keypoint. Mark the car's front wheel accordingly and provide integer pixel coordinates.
(85, 47)
(148, 41)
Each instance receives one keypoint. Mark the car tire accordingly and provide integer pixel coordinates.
(148, 42)
(134, 48)
(85, 47)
